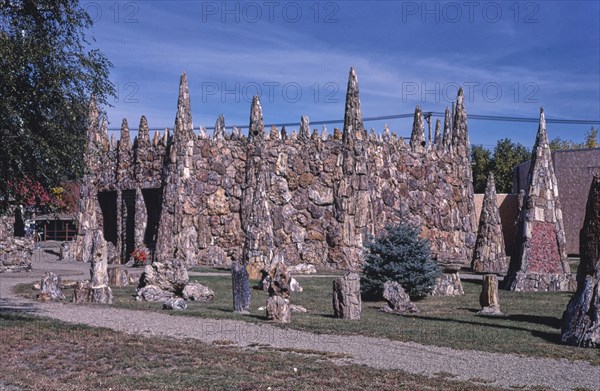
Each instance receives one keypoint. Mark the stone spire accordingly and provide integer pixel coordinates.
(104, 140)
(353, 121)
(257, 124)
(184, 128)
(447, 140)
(144, 132)
(125, 140)
(219, 133)
(438, 134)
(489, 255)
(93, 120)
(460, 134)
(580, 322)
(304, 128)
(417, 137)
(541, 261)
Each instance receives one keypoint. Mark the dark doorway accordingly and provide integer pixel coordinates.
(108, 206)
(153, 201)
(127, 224)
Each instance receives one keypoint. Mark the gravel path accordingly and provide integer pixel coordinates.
(504, 370)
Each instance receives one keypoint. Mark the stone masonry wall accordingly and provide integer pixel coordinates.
(326, 194)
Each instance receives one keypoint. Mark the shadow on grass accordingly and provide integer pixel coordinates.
(11, 306)
(550, 337)
(549, 321)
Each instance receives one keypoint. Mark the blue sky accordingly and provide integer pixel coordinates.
(511, 58)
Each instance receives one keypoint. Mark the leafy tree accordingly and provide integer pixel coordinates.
(48, 76)
(558, 144)
(481, 161)
(399, 255)
(507, 155)
(591, 138)
(590, 141)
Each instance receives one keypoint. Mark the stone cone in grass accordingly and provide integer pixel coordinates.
(490, 304)
(489, 255)
(346, 297)
(581, 319)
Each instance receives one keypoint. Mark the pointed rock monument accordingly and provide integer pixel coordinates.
(541, 261)
(353, 121)
(581, 320)
(489, 255)
(417, 137)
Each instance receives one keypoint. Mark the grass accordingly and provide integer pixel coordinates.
(44, 354)
(530, 325)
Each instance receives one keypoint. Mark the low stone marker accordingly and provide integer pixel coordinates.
(118, 277)
(50, 288)
(346, 297)
(278, 304)
(240, 286)
(490, 304)
(398, 301)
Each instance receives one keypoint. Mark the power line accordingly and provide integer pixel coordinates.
(496, 118)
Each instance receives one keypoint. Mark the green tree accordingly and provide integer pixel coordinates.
(48, 74)
(507, 155)
(559, 144)
(591, 138)
(481, 162)
(399, 255)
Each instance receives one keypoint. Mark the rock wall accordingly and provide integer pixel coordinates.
(325, 195)
(15, 253)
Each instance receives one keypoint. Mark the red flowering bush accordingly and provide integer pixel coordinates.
(31, 194)
(140, 256)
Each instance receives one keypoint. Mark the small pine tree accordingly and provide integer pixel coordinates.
(399, 255)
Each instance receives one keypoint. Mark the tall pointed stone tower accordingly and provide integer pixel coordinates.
(256, 218)
(541, 261)
(489, 255)
(177, 235)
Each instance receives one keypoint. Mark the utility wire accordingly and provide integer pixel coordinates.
(497, 118)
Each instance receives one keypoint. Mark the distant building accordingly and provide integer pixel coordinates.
(574, 169)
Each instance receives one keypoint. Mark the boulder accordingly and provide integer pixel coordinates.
(398, 301)
(153, 293)
(169, 276)
(177, 304)
(194, 291)
(278, 309)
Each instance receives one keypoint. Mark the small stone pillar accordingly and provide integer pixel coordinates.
(241, 287)
(278, 304)
(118, 277)
(490, 304)
(96, 290)
(50, 288)
(346, 297)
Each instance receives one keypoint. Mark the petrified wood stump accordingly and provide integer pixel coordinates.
(278, 309)
(118, 277)
(50, 288)
(346, 297)
(490, 304)
(241, 287)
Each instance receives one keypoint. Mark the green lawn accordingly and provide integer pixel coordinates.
(530, 325)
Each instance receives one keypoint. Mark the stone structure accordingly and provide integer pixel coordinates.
(574, 170)
(97, 290)
(240, 286)
(316, 198)
(398, 301)
(118, 277)
(541, 263)
(581, 320)
(276, 281)
(50, 288)
(448, 284)
(164, 280)
(490, 304)
(346, 297)
(489, 255)
(15, 252)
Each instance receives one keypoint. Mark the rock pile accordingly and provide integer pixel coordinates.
(277, 284)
